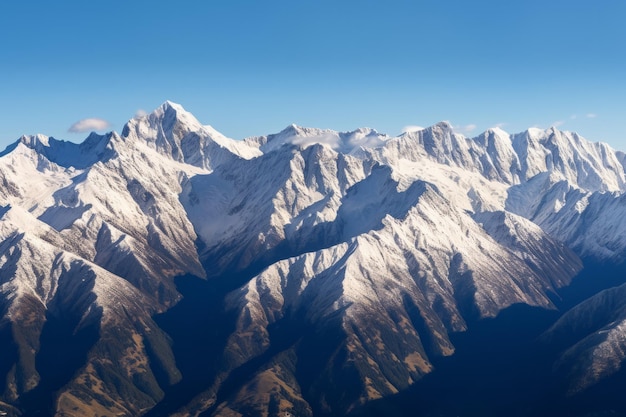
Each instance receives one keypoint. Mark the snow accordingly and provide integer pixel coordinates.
(66, 185)
(29, 179)
(344, 142)
(349, 225)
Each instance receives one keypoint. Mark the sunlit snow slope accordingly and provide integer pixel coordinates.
(370, 250)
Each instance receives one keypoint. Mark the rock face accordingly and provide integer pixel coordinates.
(592, 340)
(337, 265)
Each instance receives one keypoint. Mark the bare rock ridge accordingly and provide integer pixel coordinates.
(337, 265)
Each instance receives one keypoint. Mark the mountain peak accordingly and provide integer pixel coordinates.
(497, 131)
(166, 119)
(176, 133)
(534, 132)
(64, 153)
(291, 129)
(35, 141)
(444, 124)
(387, 245)
(171, 110)
(170, 105)
(439, 130)
(168, 114)
(294, 129)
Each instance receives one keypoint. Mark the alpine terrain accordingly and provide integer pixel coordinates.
(170, 270)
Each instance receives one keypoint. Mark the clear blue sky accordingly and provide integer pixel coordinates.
(253, 67)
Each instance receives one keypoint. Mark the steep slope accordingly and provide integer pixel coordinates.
(394, 305)
(176, 133)
(389, 283)
(254, 212)
(590, 166)
(338, 264)
(112, 202)
(66, 320)
(589, 222)
(558, 180)
(592, 339)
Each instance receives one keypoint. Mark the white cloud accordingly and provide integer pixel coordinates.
(329, 139)
(411, 128)
(558, 123)
(88, 125)
(465, 129)
(140, 113)
(587, 116)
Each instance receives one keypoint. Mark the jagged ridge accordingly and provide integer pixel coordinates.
(388, 243)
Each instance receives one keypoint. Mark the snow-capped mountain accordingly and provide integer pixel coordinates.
(338, 265)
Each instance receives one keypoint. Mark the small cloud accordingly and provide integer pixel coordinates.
(500, 125)
(558, 123)
(329, 139)
(88, 125)
(466, 129)
(573, 117)
(140, 113)
(591, 115)
(411, 128)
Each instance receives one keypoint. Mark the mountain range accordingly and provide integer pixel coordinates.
(170, 270)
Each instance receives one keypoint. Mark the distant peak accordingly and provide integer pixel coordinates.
(167, 104)
(491, 136)
(166, 109)
(365, 131)
(497, 131)
(443, 126)
(93, 136)
(534, 132)
(171, 109)
(95, 140)
(34, 140)
(168, 115)
(296, 130)
(292, 128)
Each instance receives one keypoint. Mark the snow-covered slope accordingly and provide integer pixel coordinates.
(174, 132)
(343, 142)
(60, 307)
(397, 291)
(390, 244)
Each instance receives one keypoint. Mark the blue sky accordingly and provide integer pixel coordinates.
(253, 67)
